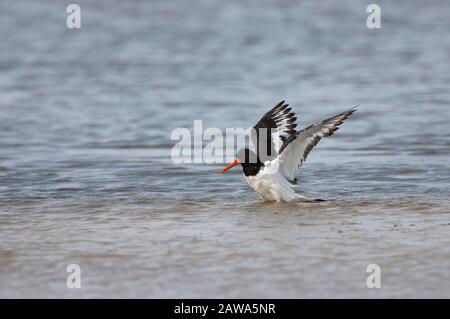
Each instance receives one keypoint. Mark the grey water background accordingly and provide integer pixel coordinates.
(86, 175)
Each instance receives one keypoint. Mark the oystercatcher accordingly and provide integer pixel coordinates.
(280, 151)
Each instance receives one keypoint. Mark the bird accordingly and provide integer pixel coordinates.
(280, 152)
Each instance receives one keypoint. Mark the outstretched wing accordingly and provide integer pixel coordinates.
(273, 130)
(297, 147)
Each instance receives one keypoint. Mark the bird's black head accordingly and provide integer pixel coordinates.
(249, 161)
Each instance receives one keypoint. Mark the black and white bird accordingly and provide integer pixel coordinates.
(280, 151)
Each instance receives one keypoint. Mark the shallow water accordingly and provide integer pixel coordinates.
(86, 175)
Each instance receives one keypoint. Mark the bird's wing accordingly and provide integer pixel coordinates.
(297, 147)
(272, 130)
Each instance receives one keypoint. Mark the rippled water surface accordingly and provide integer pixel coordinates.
(86, 175)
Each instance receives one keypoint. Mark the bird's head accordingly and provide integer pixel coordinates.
(244, 156)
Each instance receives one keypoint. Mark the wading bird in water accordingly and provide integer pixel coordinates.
(280, 151)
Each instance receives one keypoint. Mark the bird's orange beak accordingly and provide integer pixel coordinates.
(233, 163)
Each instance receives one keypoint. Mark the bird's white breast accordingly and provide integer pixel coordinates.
(272, 187)
(264, 186)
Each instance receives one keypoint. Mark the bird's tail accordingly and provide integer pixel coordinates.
(305, 199)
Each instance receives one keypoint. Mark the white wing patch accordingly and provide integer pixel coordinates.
(297, 147)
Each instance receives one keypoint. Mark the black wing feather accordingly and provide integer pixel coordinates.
(280, 124)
